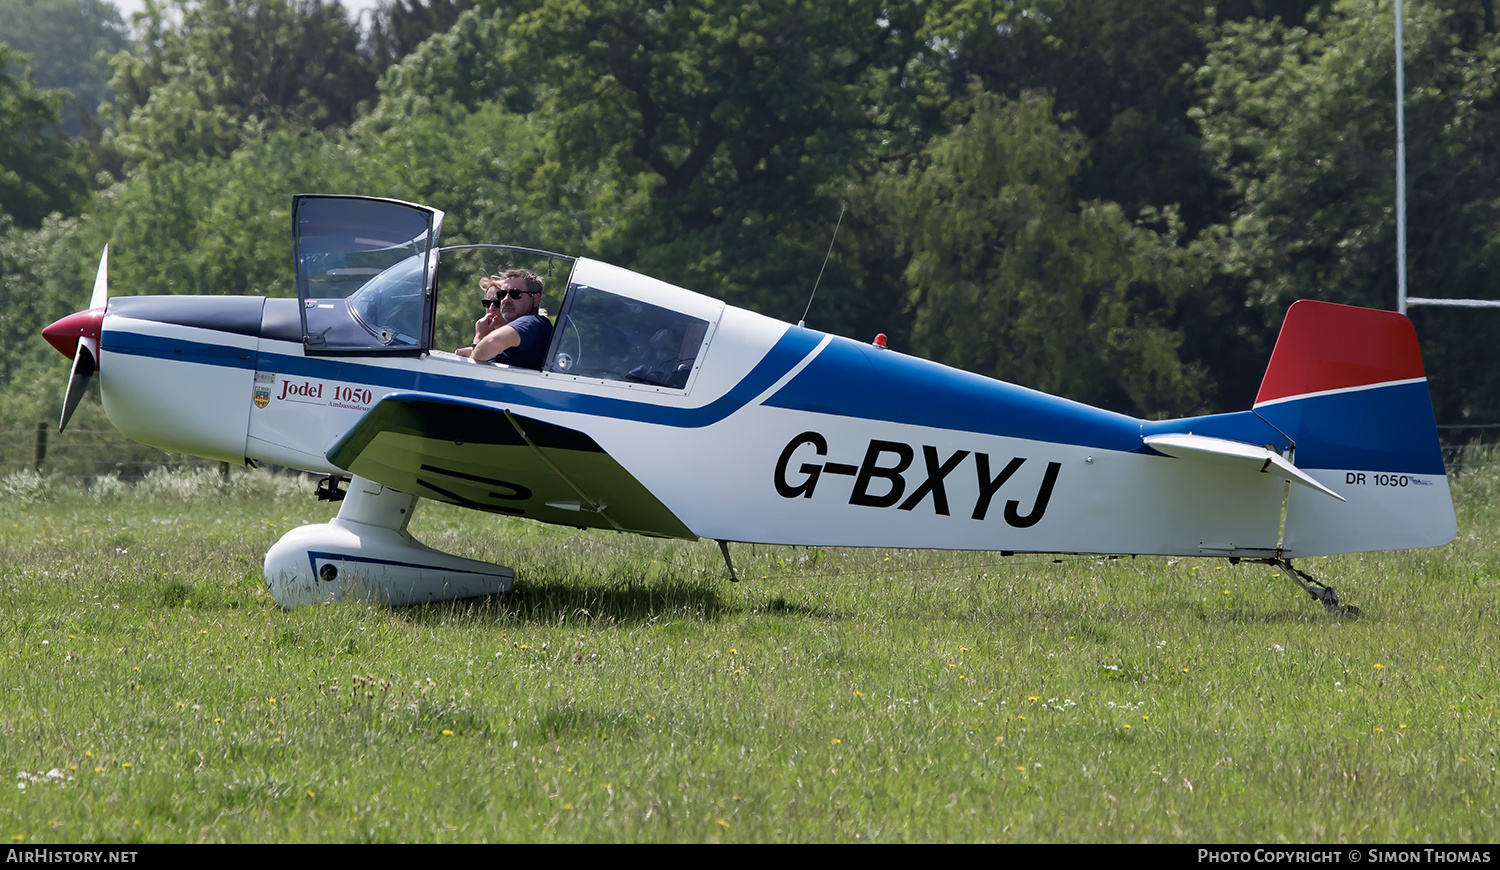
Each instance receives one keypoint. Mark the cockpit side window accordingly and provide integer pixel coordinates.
(611, 337)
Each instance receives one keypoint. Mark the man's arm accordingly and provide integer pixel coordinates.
(496, 343)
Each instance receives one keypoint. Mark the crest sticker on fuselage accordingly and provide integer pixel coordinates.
(264, 381)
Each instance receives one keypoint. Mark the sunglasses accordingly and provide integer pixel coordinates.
(486, 302)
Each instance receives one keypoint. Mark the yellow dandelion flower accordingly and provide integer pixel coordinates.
(837, 741)
(858, 693)
(1378, 666)
(309, 792)
(1127, 726)
(447, 732)
(721, 823)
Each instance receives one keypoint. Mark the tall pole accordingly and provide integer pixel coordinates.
(1400, 169)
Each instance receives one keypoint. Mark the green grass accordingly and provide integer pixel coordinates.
(626, 691)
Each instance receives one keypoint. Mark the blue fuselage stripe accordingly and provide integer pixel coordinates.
(177, 350)
(849, 379)
(845, 380)
(1384, 429)
(793, 346)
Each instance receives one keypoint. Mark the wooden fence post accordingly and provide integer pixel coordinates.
(41, 444)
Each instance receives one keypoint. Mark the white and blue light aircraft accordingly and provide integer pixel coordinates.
(664, 412)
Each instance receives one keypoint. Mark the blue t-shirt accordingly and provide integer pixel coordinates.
(531, 353)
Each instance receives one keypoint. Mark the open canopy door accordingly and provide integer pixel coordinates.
(366, 270)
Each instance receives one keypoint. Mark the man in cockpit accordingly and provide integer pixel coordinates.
(514, 329)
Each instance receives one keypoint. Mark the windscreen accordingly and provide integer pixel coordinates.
(602, 335)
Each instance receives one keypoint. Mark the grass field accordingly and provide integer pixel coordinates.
(626, 691)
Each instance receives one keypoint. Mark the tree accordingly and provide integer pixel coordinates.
(397, 27)
(719, 138)
(1119, 71)
(69, 42)
(1012, 279)
(211, 74)
(1301, 121)
(41, 169)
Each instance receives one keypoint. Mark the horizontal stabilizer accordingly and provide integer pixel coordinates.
(1220, 451)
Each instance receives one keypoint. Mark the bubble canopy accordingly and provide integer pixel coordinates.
(367, 272)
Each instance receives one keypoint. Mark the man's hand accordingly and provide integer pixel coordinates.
(482, 327)
(487, 324)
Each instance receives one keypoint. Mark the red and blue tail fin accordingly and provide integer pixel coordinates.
(1347, 386)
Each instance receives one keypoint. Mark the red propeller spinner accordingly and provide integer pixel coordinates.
(64, 334)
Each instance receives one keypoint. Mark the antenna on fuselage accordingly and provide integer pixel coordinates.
(843, 207)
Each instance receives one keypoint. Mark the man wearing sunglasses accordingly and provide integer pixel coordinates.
(514, 330)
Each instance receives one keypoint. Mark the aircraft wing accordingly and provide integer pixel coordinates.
(490, 459)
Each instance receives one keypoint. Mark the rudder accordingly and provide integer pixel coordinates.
(1348, 387)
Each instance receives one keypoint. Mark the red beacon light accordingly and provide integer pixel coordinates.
(879, 340)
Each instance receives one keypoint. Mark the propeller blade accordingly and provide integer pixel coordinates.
(101, 282)
(85, 325)
(85, 363)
